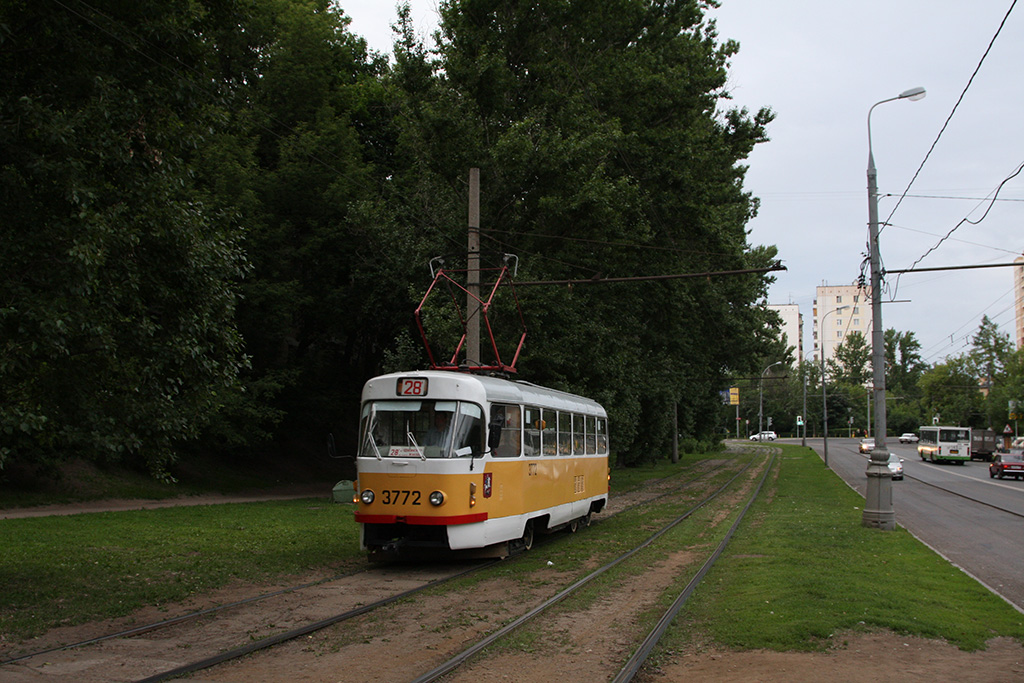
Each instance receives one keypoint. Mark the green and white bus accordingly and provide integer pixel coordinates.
(950, 444)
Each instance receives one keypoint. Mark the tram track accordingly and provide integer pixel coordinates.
(672, 483)
(641, 654)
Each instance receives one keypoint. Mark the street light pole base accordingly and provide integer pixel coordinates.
(878, 512)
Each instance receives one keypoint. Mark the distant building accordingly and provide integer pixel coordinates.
(1018, 301)
(838, 324)
(792, 327)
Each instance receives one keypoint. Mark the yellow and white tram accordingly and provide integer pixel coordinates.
(456, 461)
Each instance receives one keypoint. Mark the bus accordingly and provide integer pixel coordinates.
(950, 444)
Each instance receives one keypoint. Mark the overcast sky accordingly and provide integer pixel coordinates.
(820, 66)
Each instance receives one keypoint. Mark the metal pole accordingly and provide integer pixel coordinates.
(878, 510)
(824, 400)
(760, 396)
(473, 272)
(803, 374)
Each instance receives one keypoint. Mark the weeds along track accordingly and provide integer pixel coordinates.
(636, 661)
(217, 631)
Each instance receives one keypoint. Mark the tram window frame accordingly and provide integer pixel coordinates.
(511, 424)
(602, 435)
(564, 433)
(577, 434)
(549, 440)
(590, 436)
(533, 431)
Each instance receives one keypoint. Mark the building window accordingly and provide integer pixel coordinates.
(839, 299)
(856, 322)
(856, 309)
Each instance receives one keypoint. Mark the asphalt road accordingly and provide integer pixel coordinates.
(978, 526)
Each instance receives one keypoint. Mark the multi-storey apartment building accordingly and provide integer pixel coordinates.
(792, 331)
(833, 322)
(1018, 301)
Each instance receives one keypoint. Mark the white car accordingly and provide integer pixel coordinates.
(908, 437)
(895, 465)
(763, 436)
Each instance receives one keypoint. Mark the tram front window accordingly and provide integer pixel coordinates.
(420, 429)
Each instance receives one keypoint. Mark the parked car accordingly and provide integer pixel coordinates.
(1007, 465)
(908, 437)
(895, 466)
(867, 445)
(763, 436)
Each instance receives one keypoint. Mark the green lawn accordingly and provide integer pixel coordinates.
(801, 567)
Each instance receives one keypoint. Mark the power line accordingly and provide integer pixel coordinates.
(953, 111)
(647, 278)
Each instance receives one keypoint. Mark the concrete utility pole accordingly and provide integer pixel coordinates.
(878, 510)
(473, 272)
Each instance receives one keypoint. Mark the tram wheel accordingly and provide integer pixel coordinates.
(574, 526)
(585, 522)
(527, 539)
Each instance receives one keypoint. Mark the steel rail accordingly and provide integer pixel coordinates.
(643, 652)
(303, 630)
(459, 659)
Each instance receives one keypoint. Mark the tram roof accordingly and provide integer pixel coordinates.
(496, 389)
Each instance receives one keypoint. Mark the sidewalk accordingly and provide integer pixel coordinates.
(285, 493)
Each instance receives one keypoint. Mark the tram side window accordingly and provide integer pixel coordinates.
(577, 434)
(534, 425)
(550, 432)
(564, 433)
(591, 436)
(602, 435)
(511, 430)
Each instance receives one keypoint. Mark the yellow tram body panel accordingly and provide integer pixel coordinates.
(498, 488)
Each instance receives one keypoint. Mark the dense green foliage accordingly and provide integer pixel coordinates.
(117, 283)
(219, 214)
(974, 389)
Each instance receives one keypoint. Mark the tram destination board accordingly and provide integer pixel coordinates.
(412, 386)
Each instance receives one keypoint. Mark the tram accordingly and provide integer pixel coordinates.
(453, 461)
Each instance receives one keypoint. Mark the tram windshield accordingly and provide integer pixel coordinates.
(421, 429)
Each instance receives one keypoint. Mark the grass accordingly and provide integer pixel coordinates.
(73, 569)
(801, 568)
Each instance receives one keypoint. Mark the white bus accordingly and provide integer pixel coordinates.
(952, 444)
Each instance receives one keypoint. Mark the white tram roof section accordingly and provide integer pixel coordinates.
(481, 388)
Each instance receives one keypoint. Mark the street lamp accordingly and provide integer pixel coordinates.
(760, 397)
(824, 398)
(803, 373)
(878, 511)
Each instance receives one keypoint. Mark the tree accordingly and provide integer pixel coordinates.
(117, 284)
(950, 392)
(603, 153)
(852, 362)
(989, 351)
(903, 362)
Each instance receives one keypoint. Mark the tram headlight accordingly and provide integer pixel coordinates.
(366, 496)
(437, 498)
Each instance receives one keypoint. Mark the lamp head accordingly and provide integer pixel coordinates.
(914, 94)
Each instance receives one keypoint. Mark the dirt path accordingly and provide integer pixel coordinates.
(403, 641)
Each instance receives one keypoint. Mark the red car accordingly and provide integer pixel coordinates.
(1007, 465)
